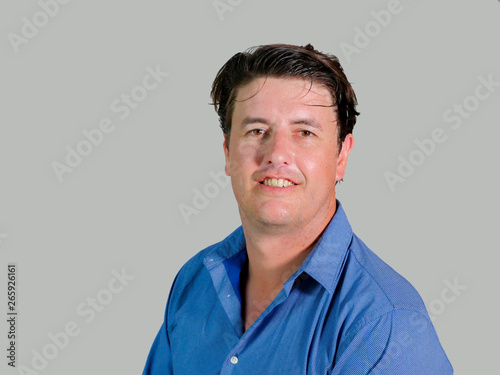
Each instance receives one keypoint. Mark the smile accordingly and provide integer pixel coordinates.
(277, 182)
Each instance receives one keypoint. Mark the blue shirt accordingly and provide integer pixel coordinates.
(344, 311)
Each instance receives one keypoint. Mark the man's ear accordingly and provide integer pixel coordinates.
(227, 168)
(343, 155)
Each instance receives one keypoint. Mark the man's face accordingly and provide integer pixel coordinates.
(283, 156)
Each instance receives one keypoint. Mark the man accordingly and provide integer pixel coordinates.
(293, 290)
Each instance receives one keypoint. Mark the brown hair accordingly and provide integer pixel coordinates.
(283, 61)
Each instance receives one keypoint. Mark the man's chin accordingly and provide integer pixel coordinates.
(277, 221)
(272, 216)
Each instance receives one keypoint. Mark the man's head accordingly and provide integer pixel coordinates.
(287, 114)
(284, 61)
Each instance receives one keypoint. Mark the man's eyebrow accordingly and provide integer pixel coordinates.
(307, 121)
(299, 121)
(254, 120)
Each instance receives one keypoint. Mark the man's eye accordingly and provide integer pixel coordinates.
(306, 133)
(256, 131)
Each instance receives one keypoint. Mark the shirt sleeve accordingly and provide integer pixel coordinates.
(159, 360)
(398, 342)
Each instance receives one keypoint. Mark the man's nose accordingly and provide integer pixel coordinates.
(278, 149)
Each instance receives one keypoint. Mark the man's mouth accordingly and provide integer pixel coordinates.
(277, 182)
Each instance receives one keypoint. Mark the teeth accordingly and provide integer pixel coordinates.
(274, 182)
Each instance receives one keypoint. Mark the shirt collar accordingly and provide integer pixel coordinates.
(324, 263)
(218, 253)
(326, 260)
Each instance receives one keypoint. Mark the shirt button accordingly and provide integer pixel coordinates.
(234, 360)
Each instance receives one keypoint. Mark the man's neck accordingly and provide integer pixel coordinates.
(275, 255)
(273, 260)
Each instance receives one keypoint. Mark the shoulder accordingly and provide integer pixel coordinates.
(372, 276)
(383, 314)
(370, 289)
(399, 341)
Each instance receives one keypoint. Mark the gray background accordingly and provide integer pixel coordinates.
(120, 207)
